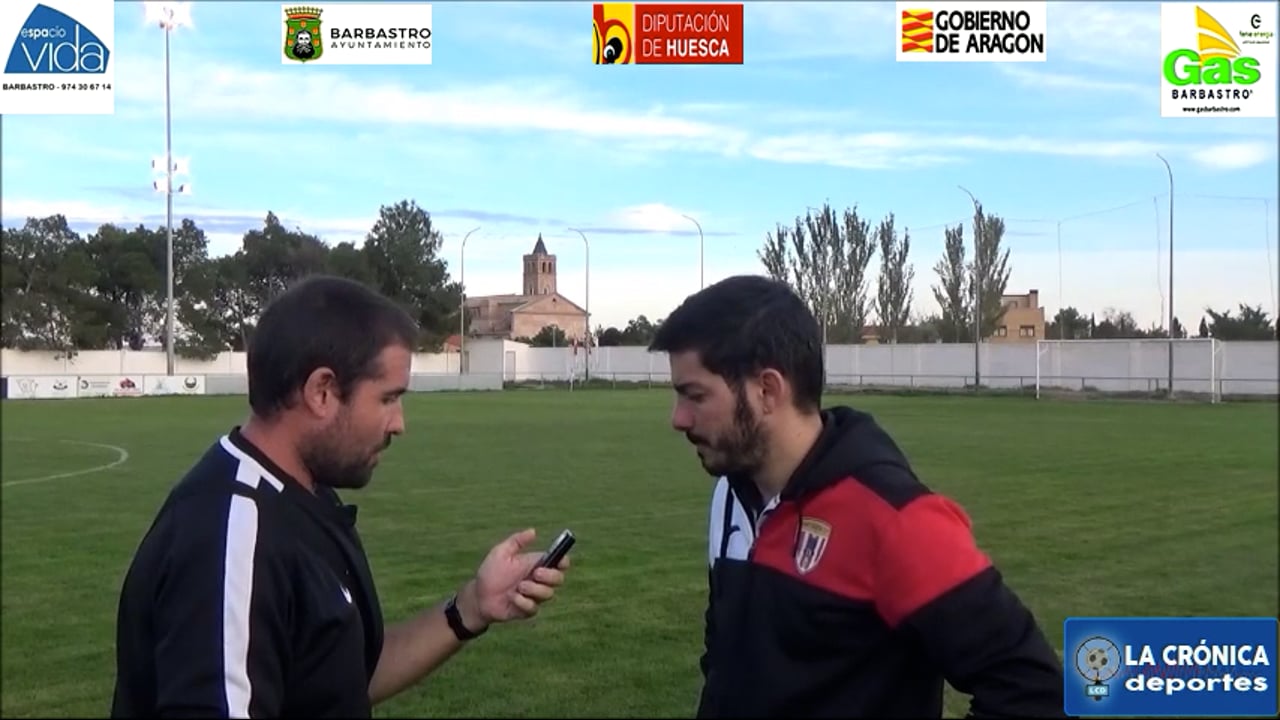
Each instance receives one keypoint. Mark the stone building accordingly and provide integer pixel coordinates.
(538, 305)
(1023, 319)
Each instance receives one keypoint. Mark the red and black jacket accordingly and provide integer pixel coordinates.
(858, 592)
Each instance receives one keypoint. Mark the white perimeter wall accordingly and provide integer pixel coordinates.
(1251, 368)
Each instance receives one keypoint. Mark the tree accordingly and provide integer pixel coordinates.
(815, 262)
(608, 337)
(48, 279)
(402, 254)
(127, 285)
(893, 302)
(825, 262)
(851, 253)
(549, 336)
(775, 255)
(1204, 328)
(1116, 324)
(1251, 324)
(1068, 324)
(1158, 331)
(990, 269)
(953, 289)
(640, 331)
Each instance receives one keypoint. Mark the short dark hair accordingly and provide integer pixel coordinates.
(321, 321)
(745, 324)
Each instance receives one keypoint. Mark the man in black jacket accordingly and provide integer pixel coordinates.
(251, 595)
(840, 585)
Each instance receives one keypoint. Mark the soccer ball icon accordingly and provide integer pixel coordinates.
(1096, 659)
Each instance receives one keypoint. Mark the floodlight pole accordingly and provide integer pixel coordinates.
(1061, 315)
(1169, 170)
(168, 26)
(587, 291)
(462, 300)
(977, 292)
(702, 275)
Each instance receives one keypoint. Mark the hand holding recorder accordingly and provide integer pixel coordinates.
(511, 584)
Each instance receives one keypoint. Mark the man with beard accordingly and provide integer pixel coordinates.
(302, 47)
(251, 595)
(840, 585)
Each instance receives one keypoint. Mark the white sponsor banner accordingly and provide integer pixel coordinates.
(173, 385)
(965, 31)
(59, 57)
(88, 386)
(1218, 59)
(358, 33)
(42, 387)
(127, 386)
(109, 386)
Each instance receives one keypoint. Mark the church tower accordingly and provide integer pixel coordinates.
(539, 271)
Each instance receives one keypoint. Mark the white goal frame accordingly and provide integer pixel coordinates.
(1212, 353)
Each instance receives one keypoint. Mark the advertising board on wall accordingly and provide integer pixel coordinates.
(42, 387)
(173, 385)
(48, 387)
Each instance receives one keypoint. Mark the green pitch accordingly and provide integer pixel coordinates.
(1094, 508)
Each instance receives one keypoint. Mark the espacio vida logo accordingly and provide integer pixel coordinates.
(52, 42)
(302, 34)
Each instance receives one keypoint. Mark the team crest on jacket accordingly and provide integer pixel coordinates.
(814, 534)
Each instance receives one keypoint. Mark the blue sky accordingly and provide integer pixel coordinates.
(513, 130)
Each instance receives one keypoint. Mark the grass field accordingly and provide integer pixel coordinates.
(1092, 508)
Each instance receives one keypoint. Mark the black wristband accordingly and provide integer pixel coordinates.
(454, 618)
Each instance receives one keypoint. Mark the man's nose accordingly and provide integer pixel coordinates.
(397, 424)
(681, 418)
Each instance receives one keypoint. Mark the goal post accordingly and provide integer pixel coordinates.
(1129, 366)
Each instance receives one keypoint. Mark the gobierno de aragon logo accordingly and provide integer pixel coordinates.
(50, 42)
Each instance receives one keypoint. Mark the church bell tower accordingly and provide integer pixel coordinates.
(539, 270)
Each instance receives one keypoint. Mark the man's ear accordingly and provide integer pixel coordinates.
(774, 391)
(319, 393)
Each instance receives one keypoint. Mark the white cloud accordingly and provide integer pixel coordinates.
(808, 30)
(1152, 123)
(1117, 36)
(1043, 80)
(547, 43)
(884, 150)
(74, 210)
(256, 94)
(652, 217)
(211, 90)
(1234, 156)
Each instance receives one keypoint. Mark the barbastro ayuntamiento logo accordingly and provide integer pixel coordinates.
(1218, 62)
(302, 41)
(52, 42)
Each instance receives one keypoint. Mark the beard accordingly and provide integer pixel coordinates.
(739, 450)
(331, 459)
